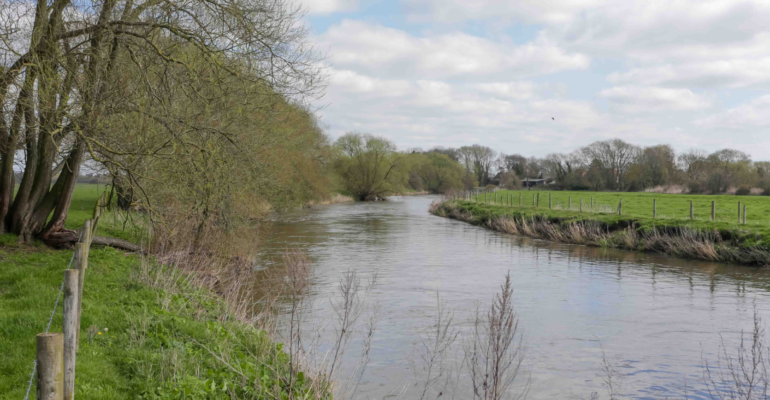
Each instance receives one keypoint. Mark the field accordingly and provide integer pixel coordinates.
(671, 208)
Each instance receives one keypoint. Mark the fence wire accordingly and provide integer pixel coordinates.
(48, 327)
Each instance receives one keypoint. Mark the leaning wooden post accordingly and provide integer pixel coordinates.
(692, 214)
(69, 328)
(81, 264)
(654, 208)
(713, 210)
(744, 214)
(620, 207)
(50, 366)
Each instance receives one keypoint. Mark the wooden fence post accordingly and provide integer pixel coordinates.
(654, 208)
(713, 210)
(50, 366)
(87, 234)
(744, 214)
(581, 204)
(519, 199)
(569, 203)
(620, 206)
(739, 212)
(592, 203)
(81, 264)
(549, 201)
(692, 214)
(533, 200)
(69, 326)
(538, 200)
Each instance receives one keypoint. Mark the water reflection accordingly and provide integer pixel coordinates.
(654, 315)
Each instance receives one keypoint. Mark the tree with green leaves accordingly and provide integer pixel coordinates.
(439, 173)
(137, 88)
(369, 166)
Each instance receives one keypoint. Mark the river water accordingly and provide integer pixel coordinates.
(655, 318)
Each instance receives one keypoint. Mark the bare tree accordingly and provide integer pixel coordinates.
(693, 163)
(479, 160)
(614, 157)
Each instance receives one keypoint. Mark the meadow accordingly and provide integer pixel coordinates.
(671, 209)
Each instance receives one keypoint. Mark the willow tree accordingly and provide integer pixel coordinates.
(369, 166)
(88, 83)
(439, 173)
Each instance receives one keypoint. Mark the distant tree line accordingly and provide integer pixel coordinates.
(610, 165)
(616, 165)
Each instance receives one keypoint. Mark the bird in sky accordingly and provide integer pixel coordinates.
(553, 118)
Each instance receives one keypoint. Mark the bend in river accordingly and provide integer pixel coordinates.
(655, 317)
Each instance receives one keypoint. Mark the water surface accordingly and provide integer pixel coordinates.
(654, 316)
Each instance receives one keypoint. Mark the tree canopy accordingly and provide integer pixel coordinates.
(170, 94)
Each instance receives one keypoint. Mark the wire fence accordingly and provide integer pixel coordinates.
(55, 361)
(687, 209)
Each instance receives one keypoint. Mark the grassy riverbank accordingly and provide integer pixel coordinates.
(696, 239)
(148, 330)
(640, 205)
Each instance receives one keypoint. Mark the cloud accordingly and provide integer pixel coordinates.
(669, 64)
(748, 116)
(367, 47)
(552, 11)
(321, 7)
(636, 99)
(725, 73)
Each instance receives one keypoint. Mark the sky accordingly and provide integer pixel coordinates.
(547, 76)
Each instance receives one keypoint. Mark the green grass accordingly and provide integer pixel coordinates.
(672, 209)
(669, 206)
(111, 223)
(144, 341)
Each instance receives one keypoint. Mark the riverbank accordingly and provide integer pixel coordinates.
(712, 241)
(176, 329)
(147, 331)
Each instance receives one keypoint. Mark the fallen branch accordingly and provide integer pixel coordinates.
(68, 238)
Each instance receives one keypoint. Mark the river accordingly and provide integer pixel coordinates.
(654, 317)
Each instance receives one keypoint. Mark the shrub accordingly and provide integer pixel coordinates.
(695, 187)
(744, 190)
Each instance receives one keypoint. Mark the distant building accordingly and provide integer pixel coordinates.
(529, 182)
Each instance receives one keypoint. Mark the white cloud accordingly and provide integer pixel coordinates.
(669, 62)
(366, 47)
(748, 116)
(724, 73)
(320, 7)
(552, 11)
(636, 99)
(511, 90)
